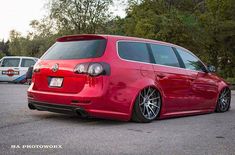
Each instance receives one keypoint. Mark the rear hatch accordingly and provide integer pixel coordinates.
(55, 71)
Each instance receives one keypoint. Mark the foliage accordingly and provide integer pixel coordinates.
(206, 27)
(4, 46)
(231, 80)
(79, 16)
(219, 23)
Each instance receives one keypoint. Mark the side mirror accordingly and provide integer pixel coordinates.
(211, 69)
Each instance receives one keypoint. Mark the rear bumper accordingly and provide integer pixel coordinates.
(43, 106)
(76, 110)
(94, 104)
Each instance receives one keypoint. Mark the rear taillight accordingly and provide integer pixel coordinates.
(36, 68)
(93, 69)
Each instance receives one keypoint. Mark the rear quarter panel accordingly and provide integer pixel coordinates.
(126, 80)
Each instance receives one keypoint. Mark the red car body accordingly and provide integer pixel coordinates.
(112, 96)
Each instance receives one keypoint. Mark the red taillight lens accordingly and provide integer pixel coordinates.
(93, 69)
(36, 68)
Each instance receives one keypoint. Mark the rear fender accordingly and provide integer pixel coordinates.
(144, 83)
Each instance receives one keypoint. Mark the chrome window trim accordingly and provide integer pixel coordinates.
(146, 42)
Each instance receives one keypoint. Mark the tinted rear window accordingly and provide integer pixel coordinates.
(134, 51)
(76, 50)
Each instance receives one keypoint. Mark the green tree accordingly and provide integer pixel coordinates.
(161, 21)
(205, 27)
(79, 16)
(42, 36)
(4, 48)
(219, 23)
(115, 26)
(14, 46)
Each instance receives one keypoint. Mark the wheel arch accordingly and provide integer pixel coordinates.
(149, 84)
(221, 86)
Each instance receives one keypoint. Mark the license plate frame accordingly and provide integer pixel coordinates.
(56, 82)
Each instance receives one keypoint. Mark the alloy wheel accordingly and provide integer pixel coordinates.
(224, 100)
(149, 103)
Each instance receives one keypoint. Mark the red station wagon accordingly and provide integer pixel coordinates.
(124, 78)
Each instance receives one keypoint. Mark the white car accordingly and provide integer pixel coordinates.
(14, 68)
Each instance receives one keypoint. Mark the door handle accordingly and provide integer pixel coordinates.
(161, 75)
(191, 78)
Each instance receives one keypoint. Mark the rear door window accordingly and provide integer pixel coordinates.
(10, 62)
(27, 62)
(76, 50)
(164, 55)
(135, 51)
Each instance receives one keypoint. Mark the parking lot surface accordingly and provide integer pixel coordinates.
(202, 134)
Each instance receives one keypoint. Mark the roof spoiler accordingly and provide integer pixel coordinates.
(80, 37)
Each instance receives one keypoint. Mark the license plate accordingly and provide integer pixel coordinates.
(56, 82)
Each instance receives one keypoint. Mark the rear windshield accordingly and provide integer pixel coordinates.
(76, 50)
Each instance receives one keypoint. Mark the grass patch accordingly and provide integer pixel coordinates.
(231, 80)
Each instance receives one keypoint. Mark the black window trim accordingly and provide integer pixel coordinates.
(150, 51)
(180, 60)
(148, 43)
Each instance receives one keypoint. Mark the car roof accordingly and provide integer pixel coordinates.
(20, 57)
(116, 37)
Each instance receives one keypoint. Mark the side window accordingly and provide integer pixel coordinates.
(134, 51)
(164, 55)
(27, 62)
(10, 62)
(190, 61)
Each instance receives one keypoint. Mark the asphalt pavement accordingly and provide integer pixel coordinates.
(23, 131)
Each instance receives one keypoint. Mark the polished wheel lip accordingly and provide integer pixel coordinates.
(224, 100)
(149, 103)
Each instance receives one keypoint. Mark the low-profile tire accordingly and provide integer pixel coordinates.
(224, 100)
(147, 105)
